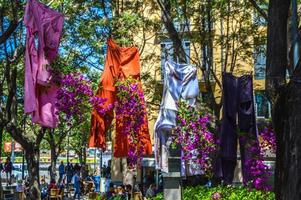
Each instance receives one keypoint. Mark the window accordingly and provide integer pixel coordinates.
(259, 62)
(262, 105)
(167, 53)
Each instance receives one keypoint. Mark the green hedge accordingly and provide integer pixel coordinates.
(227, 193)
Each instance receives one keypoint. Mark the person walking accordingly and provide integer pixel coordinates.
(69, 172)
(49, 170)
(8, 168)
(76, 182)
(76, 167)
(61, 171)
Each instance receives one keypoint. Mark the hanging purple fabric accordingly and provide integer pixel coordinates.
(238, 116)
(44, 27)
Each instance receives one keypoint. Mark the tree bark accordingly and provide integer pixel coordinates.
(32, 159)
(288, 166)
(84, 154)
(207, 25)
(286, 104)
(80, 155)
(276, 47)
(1, 135)
(55, 142)
(53, 155)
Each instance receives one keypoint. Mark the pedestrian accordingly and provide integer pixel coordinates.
(62, 185)
(27, 186)
(52, 185)
(110, 193)
(20, 186)
(128, 191)
(137, 192)
(120, 193)
(1, 165)
(104, 170)
(76, 167)
(151, 191)
(8, 168)
(44, 188)
(108, 171)
(49, 170)
(69, 172)
(61, 171)
(76, 182)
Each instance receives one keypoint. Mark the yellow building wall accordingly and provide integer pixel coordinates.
(150, 53)
(151, 64)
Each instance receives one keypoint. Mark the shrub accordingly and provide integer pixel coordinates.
(226, 193)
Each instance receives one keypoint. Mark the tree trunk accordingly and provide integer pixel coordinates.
(32, 158)
(53, 155)
(84, 155)
(286, 103)
(31, 149)
(80, 156)
(1, 135)
(276, 64)
(288, 165)
(207, 56)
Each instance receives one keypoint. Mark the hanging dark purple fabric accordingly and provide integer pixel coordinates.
(238, 117)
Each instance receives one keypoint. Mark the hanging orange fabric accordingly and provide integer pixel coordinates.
(121, 62)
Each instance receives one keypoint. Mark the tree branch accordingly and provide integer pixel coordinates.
(16, 134)
(259, 10)
(40, 135)
(15, 22)
(172, 32)
(9, 31)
